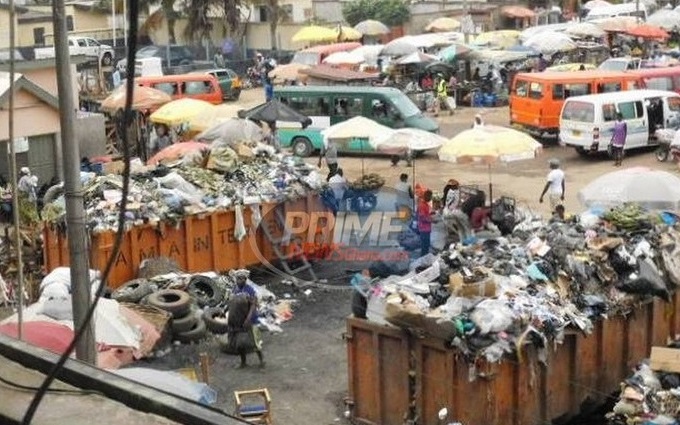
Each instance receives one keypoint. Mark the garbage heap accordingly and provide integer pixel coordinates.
(648, 397)
(492, 297)
(194, 185)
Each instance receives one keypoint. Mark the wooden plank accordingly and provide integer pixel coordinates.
(587, 367)
(527, 398)
(613, 353)
(434, 370)
(393, 380)
(637, 332)
(665, 359)
(559, 379)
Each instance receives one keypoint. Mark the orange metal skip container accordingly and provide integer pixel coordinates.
(198, 243)
(390, 370)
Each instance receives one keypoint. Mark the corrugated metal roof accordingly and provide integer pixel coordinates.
(325, 72)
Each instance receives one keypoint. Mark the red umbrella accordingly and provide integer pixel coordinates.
(50, 336)
(648, 31)
(177, 151)
(143, 98)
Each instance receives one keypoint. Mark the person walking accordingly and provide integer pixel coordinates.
(618, 141)
(251, 319)
(424, 213)
(555, 185)
(442, 94)
(329, 153)
(338, 184)
(404, 196)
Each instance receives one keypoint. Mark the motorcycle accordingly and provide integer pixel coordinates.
(253, 78)
(668, 146)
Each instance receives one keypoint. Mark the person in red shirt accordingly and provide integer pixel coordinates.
(425, 222)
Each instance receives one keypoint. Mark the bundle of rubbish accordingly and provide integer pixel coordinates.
(197, 303)
(649, 396)
(195, 185)
(493, 296)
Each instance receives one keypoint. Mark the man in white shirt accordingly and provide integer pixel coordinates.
(554, 185)
(338, 184)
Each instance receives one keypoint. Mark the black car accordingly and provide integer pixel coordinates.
(178, 55)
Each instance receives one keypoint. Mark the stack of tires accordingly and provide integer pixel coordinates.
(187, 325)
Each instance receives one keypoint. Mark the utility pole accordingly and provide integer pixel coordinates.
(75, 210)
(18, 241)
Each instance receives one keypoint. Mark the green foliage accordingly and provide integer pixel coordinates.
(389, 12)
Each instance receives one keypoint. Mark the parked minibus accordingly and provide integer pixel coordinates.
(328, 105)
(536, 98)
(195, 86)
(665, 78)
(587, 122)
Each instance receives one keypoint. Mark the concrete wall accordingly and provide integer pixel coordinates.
(91, 134)
(4, 29)
(483, 15)
(160, 34)
(46, 78)
(257, 36)
(328, 10)
(32, 117)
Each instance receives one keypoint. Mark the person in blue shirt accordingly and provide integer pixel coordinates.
(252, 319)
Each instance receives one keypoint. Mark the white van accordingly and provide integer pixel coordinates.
(587, 122)
(625, 9)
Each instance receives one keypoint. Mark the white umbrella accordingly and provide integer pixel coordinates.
(593, 4)
(584, 29)
(531, 31)
(344, 58)
(372, 27)
(232, 130)
(416, 57)
(369, 52)
(654, 189)
(666, 19)
(399, 47)
(551, 42)
(617, 23)
(356, 128)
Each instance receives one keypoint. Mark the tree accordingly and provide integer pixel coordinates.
(389, 12)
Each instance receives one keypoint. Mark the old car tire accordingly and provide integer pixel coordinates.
(107, 60)
(184, 324)
(133, 291)
(195, 334)
(53, 193)
(212, 323)
(177, 303)
(205, 291)
(302, 147)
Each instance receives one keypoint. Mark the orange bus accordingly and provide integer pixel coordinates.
(536, 98)
(196, 86)
(666, 78)
(315, 55)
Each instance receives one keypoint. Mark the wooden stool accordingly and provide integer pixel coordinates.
(258, 410)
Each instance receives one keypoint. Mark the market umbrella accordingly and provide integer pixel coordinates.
(51, 336)
(356, 128)
(213, 116)
(489, 144)
(314, 33)
(177, 151)
(179, 111)
(653, 189)
(666, 19)
(647, 31)
(453, 51)
(440, 68)
(143, 98)
(518, 48)
(584, 29)
(593, 4)
(550, 42)
(345, 33)
(344, 58)
(288, 72)
(617, 23)
(232, 130)
(273, 111)
(415, 58)
(399, 47)
(372, 27)
(369, 52)
(517, 12)
(501, 38)
(443, 24)
(532, 31)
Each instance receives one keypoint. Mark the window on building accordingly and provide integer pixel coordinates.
(39, 36)
(263, 13)
(69, 23)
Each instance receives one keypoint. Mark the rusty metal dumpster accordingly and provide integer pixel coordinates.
(197, 243)
(395, 376)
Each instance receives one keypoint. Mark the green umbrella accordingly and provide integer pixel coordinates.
(452, 52)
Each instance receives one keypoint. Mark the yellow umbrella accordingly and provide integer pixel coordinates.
(501, 38)
(213, 116)
(443, 25)
(571, 67)
(314, 33)
(489, 144)
(344, 33)
(180, 111)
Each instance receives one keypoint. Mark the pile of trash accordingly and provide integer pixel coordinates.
(168, 193)
(648, 397)
(493, 296)
(198, 303)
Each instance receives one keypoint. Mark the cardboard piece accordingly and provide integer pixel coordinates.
(484, 288)
(665, 359)
(113, 167)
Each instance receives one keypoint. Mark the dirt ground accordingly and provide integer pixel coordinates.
(306, 370)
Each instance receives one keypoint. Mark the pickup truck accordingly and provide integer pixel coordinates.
(84, 46)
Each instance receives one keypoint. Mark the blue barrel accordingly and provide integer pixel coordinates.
(490, 99)
(477, 99)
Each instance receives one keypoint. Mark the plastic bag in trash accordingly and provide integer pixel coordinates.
(492, 315)
(239, 226)
(649, 282)
(223, 159)
(58, 308)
